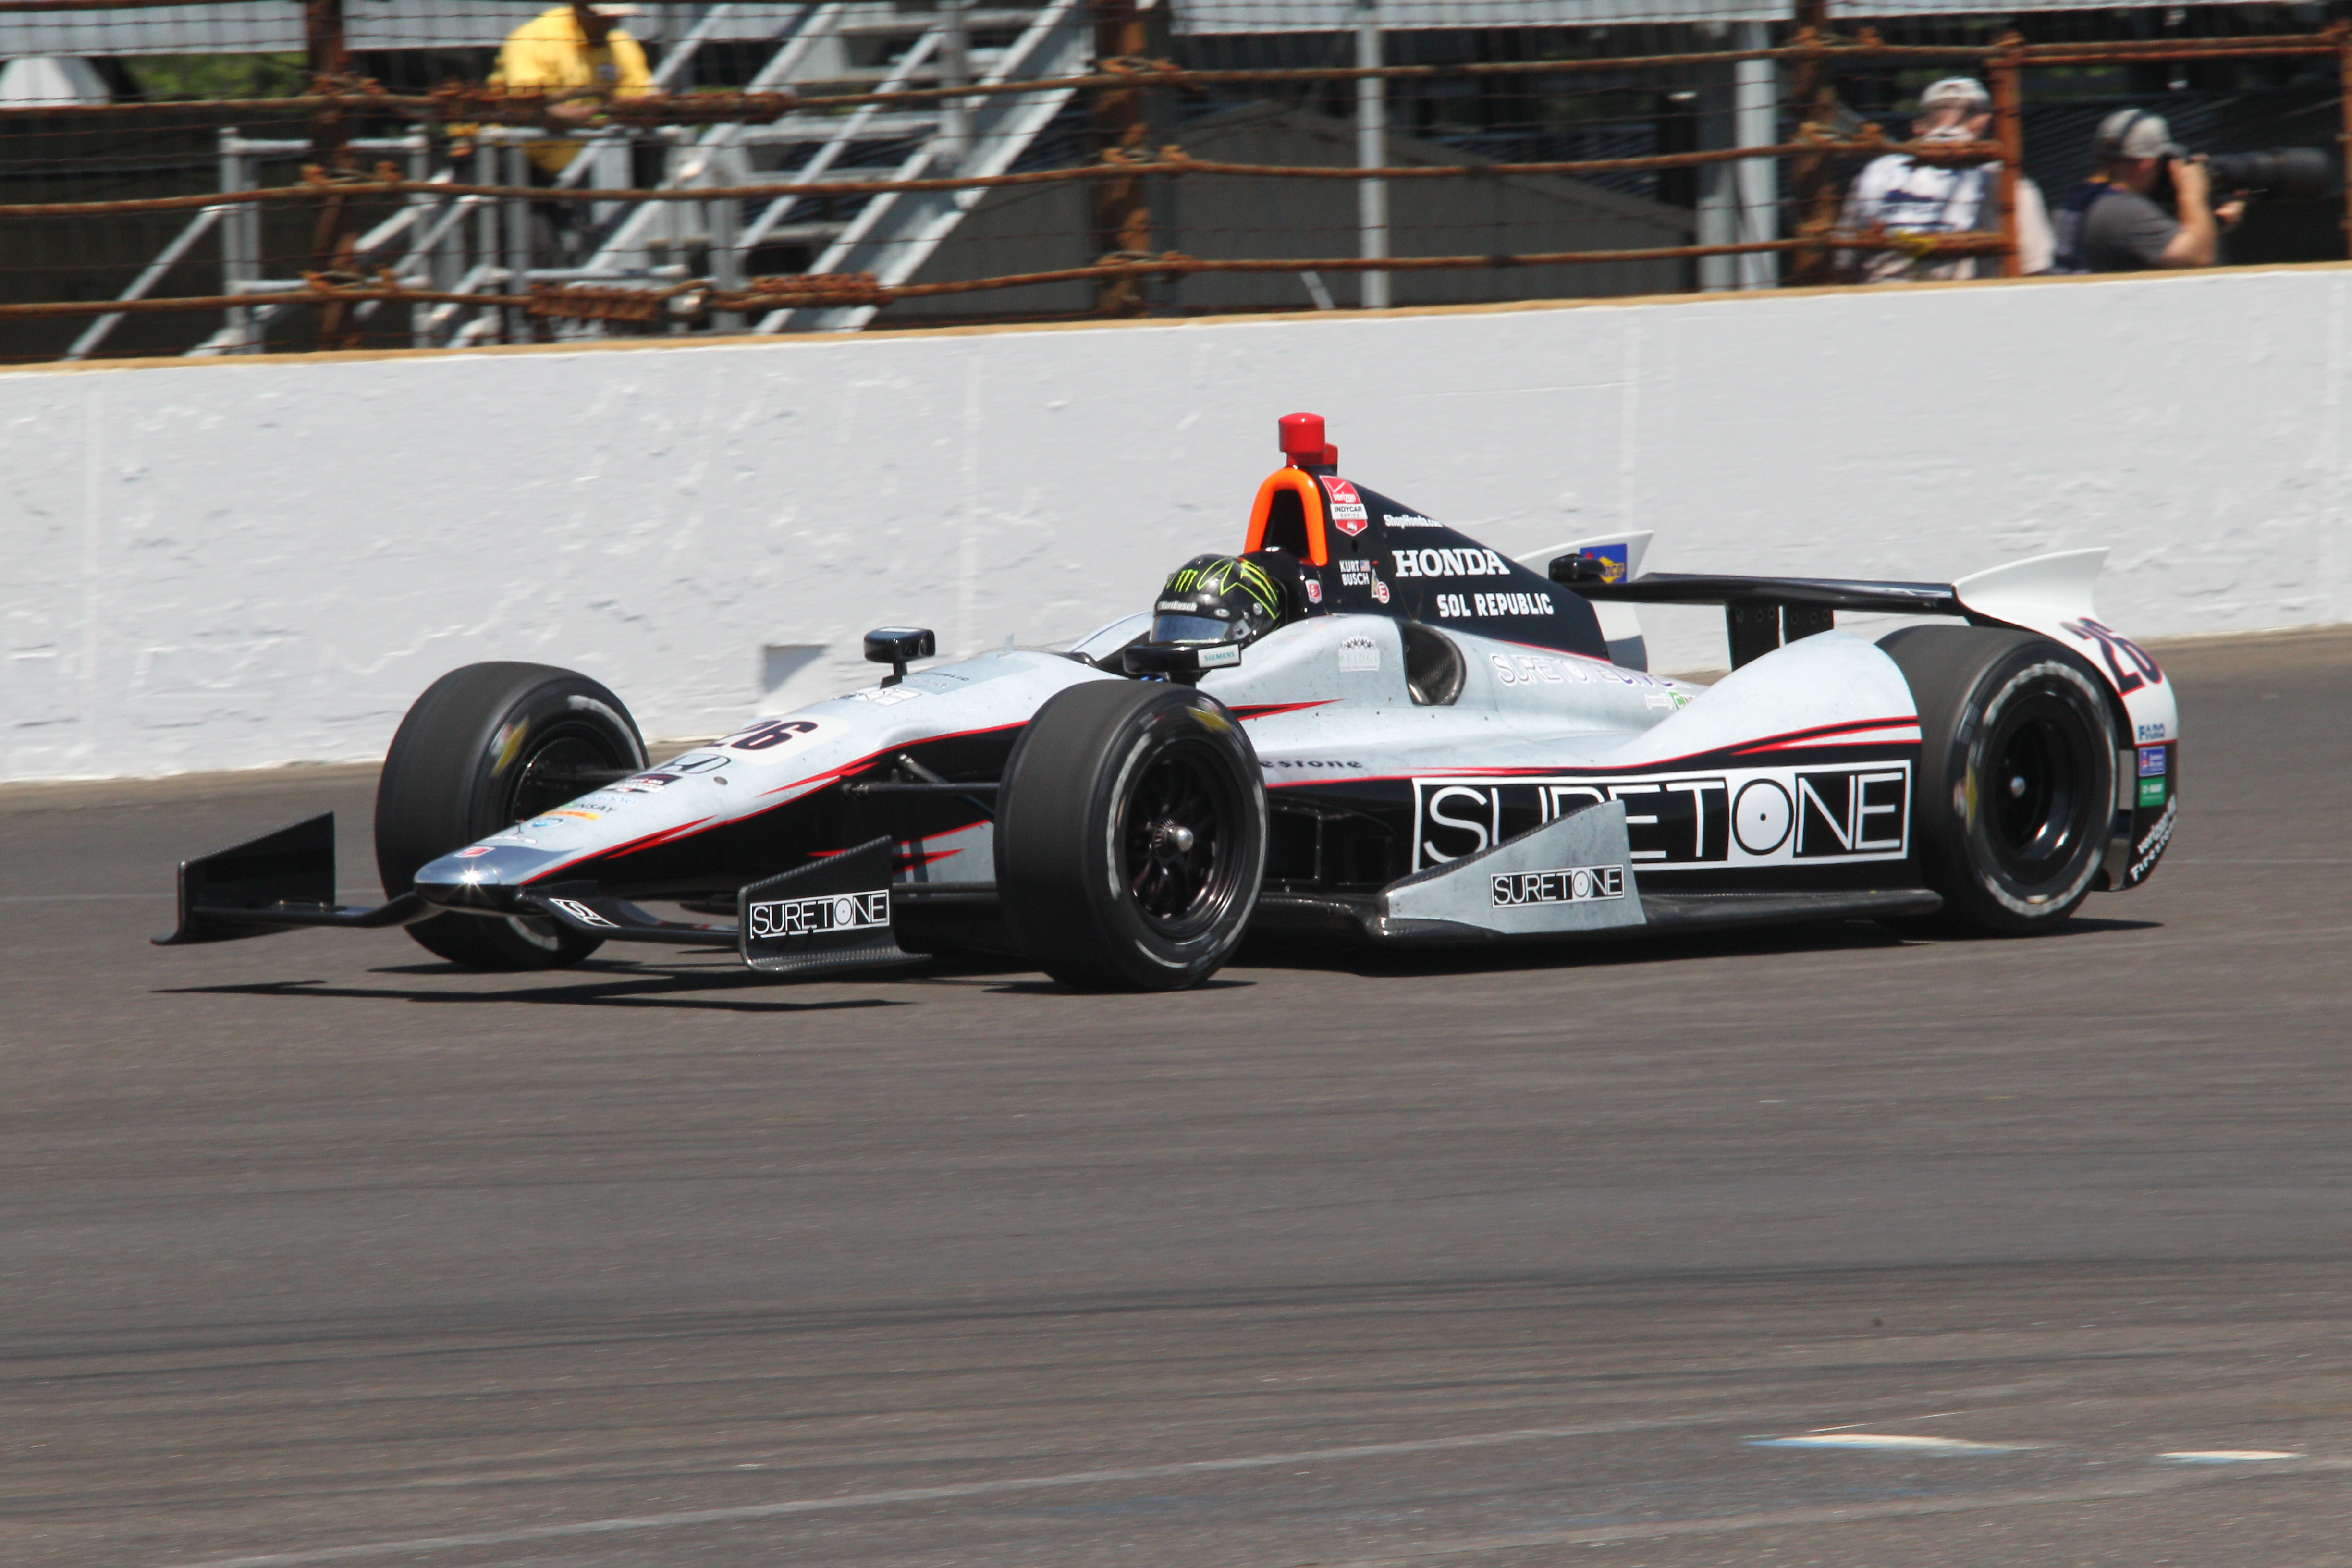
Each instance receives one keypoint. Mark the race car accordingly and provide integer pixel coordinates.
(1363, 722)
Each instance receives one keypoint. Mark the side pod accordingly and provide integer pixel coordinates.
(279, 881)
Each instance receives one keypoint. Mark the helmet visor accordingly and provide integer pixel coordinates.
(1193, 628)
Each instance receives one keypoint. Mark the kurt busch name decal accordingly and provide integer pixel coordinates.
(1736, 818)
(821, 916)
(1568, 884)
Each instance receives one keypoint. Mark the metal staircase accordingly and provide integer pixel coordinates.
(469, 245)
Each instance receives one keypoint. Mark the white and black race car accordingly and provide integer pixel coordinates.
(1364, 722)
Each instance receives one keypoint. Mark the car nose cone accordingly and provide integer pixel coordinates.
(482, 877)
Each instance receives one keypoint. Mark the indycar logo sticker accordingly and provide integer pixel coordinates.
(1727, 820)
(1345, 507)
(821, 916)
(1568, 885)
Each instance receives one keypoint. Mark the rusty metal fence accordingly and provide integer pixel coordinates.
(861, 166)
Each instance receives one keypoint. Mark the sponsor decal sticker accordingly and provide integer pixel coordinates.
(2151, 762)
(1306, 763)
(888, 696)
(1345, 506)
(1359, 655)
(1568, 885)
(820, 916)
(470, 851)
(1380, 591)
(645, 784)
(2151, 791)
(1738, 817)
(2152, 731)
(2151, 843)
(1658, 700)
(1490, 606)
(697, 762)
(1449, 564)
(1219, 655)
(1314, 592)
(582, 913)
(1409, 519)
(1612, 561)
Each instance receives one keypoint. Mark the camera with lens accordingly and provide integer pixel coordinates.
(2280, 174)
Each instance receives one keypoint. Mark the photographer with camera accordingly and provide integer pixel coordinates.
(2111, 221)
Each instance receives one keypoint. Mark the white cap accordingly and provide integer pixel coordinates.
(616, 12)
(2135, 133)
(1955, 92)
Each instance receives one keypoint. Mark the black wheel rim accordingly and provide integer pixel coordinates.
(1178, 839)
(2037, 784)
(566, 765)
(567, 762)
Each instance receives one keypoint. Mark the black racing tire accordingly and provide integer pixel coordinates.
(486, 746)
(2017, 774)
(1130, 836)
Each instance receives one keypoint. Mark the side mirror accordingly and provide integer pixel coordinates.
(1574, 569)
(1180, 661)
(894, 645)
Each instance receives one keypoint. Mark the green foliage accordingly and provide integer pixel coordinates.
(219, 76)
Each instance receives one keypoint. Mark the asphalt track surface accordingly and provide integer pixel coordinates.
(318, 1252)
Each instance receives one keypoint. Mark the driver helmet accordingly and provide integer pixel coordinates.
(1219, 599)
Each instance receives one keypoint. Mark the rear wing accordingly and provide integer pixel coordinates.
(2048, 594)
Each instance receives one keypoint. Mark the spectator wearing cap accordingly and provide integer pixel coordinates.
(1908, 199)
(2111, 223)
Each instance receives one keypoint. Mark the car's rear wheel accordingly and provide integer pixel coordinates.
(484, 748)
(1130, 837)
(2017, 774)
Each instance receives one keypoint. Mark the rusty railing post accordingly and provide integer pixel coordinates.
(1122, 208)
(1814, 97)
(331, 239)
(2009, 130)
(2343, 31)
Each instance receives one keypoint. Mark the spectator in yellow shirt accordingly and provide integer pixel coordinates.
(563, 50)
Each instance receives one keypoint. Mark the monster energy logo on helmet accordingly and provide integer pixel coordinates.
(1216, 599)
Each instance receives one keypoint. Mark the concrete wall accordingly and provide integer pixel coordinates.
(229, 565)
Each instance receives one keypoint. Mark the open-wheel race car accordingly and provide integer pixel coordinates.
(1362, 723)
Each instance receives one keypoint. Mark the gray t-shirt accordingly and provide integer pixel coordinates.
(2125, 232)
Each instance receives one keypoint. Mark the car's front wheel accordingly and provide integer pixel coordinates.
(486, 746)
(2017, 774)
(1130, 836)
